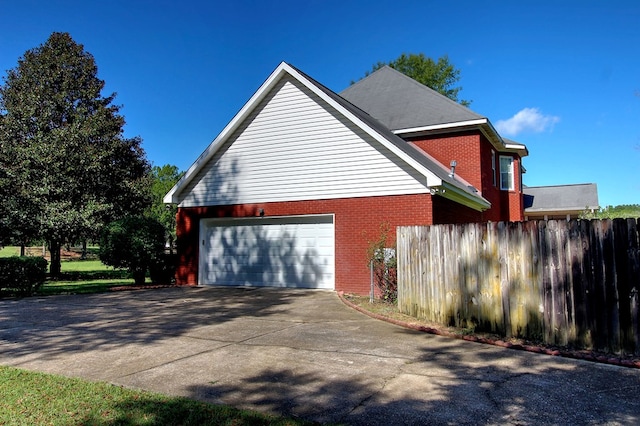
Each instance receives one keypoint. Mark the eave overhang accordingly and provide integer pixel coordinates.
(481, 124)
(455, 194)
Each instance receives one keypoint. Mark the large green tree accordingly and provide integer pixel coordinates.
(440, 75)
(66, 167)
(163, 179)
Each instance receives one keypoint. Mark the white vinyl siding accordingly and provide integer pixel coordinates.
(506, 174)
(296, 147)
(294, 251)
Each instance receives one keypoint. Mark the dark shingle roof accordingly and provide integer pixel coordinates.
(399, 102)
(561, 197)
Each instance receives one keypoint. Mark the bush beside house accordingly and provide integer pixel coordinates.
(136, 244)
(21, 276)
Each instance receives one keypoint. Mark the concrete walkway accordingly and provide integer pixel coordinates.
(303, 353)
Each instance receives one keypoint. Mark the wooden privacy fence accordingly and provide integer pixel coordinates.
(568, 283)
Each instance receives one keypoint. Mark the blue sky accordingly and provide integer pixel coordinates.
(562, 77)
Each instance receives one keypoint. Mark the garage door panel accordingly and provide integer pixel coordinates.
(282, 252)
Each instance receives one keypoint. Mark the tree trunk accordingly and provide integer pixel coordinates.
(54, 267)
(22, 252)
(84, 250)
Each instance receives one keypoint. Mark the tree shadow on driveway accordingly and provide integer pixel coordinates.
(303, 354)
(447, 382)
(55, 326)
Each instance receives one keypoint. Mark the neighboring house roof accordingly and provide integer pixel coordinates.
(560, 199)
(408, 108)
(437, 178)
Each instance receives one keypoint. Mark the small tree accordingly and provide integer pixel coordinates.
(133, 243)
(162, 180)
(384, 261)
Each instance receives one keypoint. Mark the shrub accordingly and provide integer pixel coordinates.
(384, 261)
(134, 243)
(163, 270)
(22, 276)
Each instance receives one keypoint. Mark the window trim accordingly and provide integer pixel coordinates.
(510, 173)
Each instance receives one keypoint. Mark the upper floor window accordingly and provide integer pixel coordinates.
(506, 173)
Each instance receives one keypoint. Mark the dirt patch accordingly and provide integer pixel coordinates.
(389, 313)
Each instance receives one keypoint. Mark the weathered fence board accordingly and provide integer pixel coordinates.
(570, 283)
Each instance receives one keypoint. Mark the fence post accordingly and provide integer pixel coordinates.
(371, 278)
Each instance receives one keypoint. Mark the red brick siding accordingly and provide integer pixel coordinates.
(463, 147)
(357, 221)
(472, 152)
(510, 203)
(516, 198)
(449, 212)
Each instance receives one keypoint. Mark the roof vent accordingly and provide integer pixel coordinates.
(453, 165)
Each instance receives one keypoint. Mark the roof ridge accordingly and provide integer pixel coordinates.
(560, 185)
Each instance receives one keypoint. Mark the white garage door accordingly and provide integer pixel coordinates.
(293, 251)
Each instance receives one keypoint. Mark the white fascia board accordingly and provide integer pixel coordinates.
(559, 209)
(485, 126)
(172, 195)
(519, 148)
(432, 179)
(443, 126)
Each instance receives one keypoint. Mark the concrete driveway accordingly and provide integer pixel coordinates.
(303, 353)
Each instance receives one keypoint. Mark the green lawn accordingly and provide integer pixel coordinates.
(30, 398)
(9, 251)
(80, 276)
(86, 276)
(83, 266)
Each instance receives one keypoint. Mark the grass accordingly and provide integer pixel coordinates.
(86, 276)
(84, 266)
(9, 251)
(30, 398)
(81, 276)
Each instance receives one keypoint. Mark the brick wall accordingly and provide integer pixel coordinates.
(357, 222)
(449, 212)
(472, 152)
(464, 148)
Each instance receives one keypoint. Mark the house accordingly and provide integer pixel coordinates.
(560, 201)
(297, 185)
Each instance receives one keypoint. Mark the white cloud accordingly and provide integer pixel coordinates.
(527, 119)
